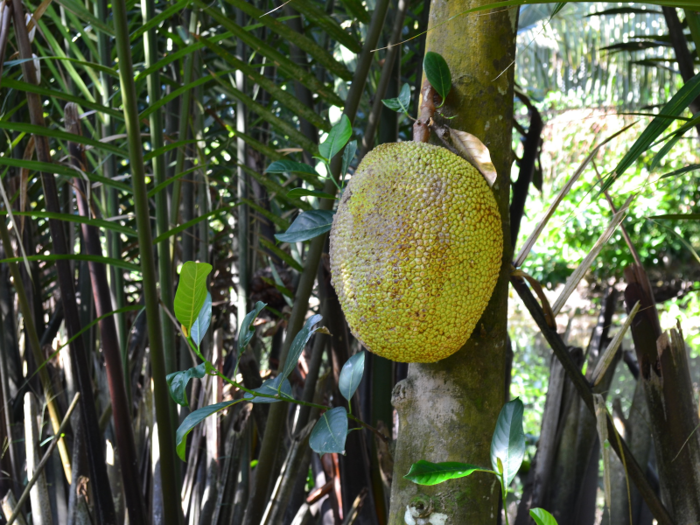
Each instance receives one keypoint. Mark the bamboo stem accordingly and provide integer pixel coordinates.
(108, 335)
(172, 514)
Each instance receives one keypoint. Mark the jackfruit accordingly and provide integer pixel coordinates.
(415, 251)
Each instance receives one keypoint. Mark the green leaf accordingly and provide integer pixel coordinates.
(351, 375)
(201, 324)
(330, 432)
(673, 108)
(508, 443)
(163, 15)
(192, 420)
(247, 331)
(677, 216)
(177, 382)
(156, 189)
(299, 343)
(438, 73)
(281, 254)
(290, 166)
(189, 224)
(191, 292)
(427, 473)
(303, 192)
(22, 127)
(97, 223)
(60, 169)
(271, 387)
(400, 103)
(542, 517)
(338, 136)
(680, 171)
(348, 155)
(117, 263)
(307, 225)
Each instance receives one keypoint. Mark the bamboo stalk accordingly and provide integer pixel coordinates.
(185, 106)
(111, 201)
(108, 335)
(171, 511)
(104, 504)
(159, 164)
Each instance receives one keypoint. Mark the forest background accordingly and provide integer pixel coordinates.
(221, 96)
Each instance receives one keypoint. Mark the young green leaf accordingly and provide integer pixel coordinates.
(191, 292)
(307, 225)
(247, 331)
(177, 382)
(508, 443)
(351, 375)
(299, 343)
(348, 155)
(400, 103)
(192, 420)
(427, 473)
(542, 517)
(330, 432)
(271, 387)
(290, 166)
(201, 324)
(303, 192)
(438, 73)
(337, 138)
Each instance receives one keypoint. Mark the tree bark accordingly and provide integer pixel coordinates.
(448, 409)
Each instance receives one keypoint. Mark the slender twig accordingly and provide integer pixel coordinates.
(44, 460)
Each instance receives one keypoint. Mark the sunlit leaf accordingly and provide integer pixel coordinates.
(191, 292)
(338, 136)
(427, 473)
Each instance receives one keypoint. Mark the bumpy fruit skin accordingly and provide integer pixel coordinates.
(415, 250)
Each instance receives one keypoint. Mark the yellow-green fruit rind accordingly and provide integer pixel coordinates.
(415, 249)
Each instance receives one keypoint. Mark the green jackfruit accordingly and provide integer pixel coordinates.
(415, 251)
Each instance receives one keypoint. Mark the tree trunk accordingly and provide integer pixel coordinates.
(448, 409)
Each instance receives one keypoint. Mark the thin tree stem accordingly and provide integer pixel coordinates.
(171, 512)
